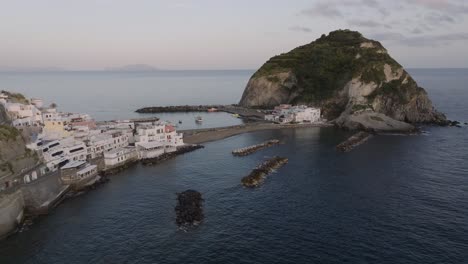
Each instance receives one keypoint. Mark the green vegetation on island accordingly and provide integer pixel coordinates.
(327, 64)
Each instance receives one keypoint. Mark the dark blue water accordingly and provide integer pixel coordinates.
(395, 199)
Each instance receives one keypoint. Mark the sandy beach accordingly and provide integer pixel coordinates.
(198, 136)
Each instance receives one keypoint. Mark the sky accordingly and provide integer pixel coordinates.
(220, 34)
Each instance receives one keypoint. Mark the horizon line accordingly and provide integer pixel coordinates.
(173, 70)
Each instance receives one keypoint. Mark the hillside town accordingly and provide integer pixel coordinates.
(66, 141)
(56, 152)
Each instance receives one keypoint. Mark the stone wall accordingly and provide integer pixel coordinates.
(11, 212)
(42, 193)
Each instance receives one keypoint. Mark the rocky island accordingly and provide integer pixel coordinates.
(354, 80)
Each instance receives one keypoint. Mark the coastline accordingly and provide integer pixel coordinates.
(198, 136)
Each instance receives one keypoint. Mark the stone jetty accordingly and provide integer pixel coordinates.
(248, 114)
(353, 141)
(254, 148)
(189, 208)
(257, 176)
(176, 108)
(169, 155)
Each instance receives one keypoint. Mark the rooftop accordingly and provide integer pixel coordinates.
(73, 164)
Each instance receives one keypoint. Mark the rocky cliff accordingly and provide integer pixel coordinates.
(4, 118)
(14, 156)
(351, 78)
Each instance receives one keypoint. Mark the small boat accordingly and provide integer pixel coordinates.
(198, 119)
(236, 115)
(180, 121)
(212, 110)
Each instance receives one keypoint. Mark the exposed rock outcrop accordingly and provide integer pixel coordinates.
(257, 175)
(345, 74)
(4, 118)
(189, 208)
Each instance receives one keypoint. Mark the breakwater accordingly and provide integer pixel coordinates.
(169, 155)
(254, 148)
(247, 114)
(177, 109)
(189, 208)
(258, 175)
(353, 141)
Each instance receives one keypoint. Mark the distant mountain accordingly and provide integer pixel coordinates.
(134, 68)
(32, 69)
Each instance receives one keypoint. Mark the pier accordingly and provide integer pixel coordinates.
(252, 149)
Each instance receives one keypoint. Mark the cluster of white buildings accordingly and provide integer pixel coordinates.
(23, 114)
(286, 113)
(76, 145)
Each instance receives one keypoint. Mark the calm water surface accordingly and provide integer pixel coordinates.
(395, 199)
(116, 95)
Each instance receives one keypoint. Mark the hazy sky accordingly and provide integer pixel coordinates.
(217, 34)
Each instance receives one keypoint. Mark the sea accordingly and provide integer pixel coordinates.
(395, 199)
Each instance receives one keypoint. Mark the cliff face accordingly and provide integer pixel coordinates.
(346, 75)
(14, 156)
(4, 119)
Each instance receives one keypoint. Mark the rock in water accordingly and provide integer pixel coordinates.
(189, 208)
(350, 77)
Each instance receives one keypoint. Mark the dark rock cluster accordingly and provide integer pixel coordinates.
(353, 141)
(189, 208)
(252, 149)
(257, 176)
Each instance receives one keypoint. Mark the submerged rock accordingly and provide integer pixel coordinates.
(189, 208)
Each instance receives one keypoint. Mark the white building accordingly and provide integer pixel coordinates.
(79, 174)
(303, 114)
(120, 156)
(149, 150)
(24, 115)
(37, 102)
(155, 139)
(158, 132)
(297, 114)
(107, 141)
(57, 153)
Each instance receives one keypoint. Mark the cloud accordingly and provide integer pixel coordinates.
(333, 8)
(370, 3)
(437, 18)
(300, 29)
(323, 9)
(453, 7)
(364, 23)
(424, 40)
